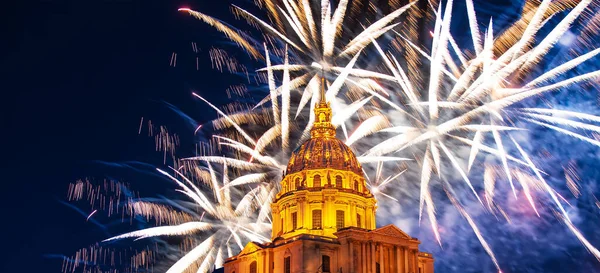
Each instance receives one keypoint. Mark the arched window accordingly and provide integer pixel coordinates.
(317, 181)
(355, 185)
(325, 264)
(339, 219)
(358, 220)
(294, 220)
(338, 181)
(253, 267)
(297, 182)
(316, 219)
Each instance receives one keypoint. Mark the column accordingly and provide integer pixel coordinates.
(416, 263)
(300, 223)
(372, 256)
(260, 266)
(389, 263)
(381, 261)
(373, 225)
(352, 217)
(368, 255)
(406, 269)
(363, 261)
(398, 263)
(326, 212)
(276, 221)
(368, 217)
(332, 212)
(308, 213)
(288, 219)
(267, 266)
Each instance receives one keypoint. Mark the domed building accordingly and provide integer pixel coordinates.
(324, 217)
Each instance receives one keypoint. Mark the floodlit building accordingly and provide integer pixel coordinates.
(324, 217)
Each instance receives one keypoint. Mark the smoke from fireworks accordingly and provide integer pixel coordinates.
(434, 119)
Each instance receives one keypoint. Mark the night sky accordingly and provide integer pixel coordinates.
(77, 77)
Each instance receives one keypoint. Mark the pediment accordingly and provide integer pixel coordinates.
(393, 231)
(251, 247)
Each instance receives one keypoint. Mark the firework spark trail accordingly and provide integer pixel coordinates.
(231, 34)
(309, 49)
(183, 229)
(91, 214)
(499, 71)
(469, 102)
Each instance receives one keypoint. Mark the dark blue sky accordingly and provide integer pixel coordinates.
(77, 76)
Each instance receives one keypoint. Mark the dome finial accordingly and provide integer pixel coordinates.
(322, 127)
(323, 99)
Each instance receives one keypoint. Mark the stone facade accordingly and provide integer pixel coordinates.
(355, 250)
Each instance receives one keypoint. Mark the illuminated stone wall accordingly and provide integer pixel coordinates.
(386, 249)
(302, 196)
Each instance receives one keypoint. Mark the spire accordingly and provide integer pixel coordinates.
(323, 99)
(322, 128)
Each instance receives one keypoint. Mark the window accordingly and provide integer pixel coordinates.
(297, 182)
(316, 219)
(338, 181)
(317, 181)
(358, 220)
(321, 117)
(287, 268)
(356, 185)
(377, 268)
(339, 219)
(253, 267)
(294, 220)
(325, 264)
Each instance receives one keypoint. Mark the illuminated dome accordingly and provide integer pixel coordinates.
(323, 190)
(323, 150)
(321, 153)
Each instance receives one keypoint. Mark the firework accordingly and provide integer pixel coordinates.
(411, 100)
(475, 100)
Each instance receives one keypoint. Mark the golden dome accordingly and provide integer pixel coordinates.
(323, 189)
(323, 150)
(321, 153)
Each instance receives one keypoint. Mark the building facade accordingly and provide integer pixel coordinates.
(324, 217)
